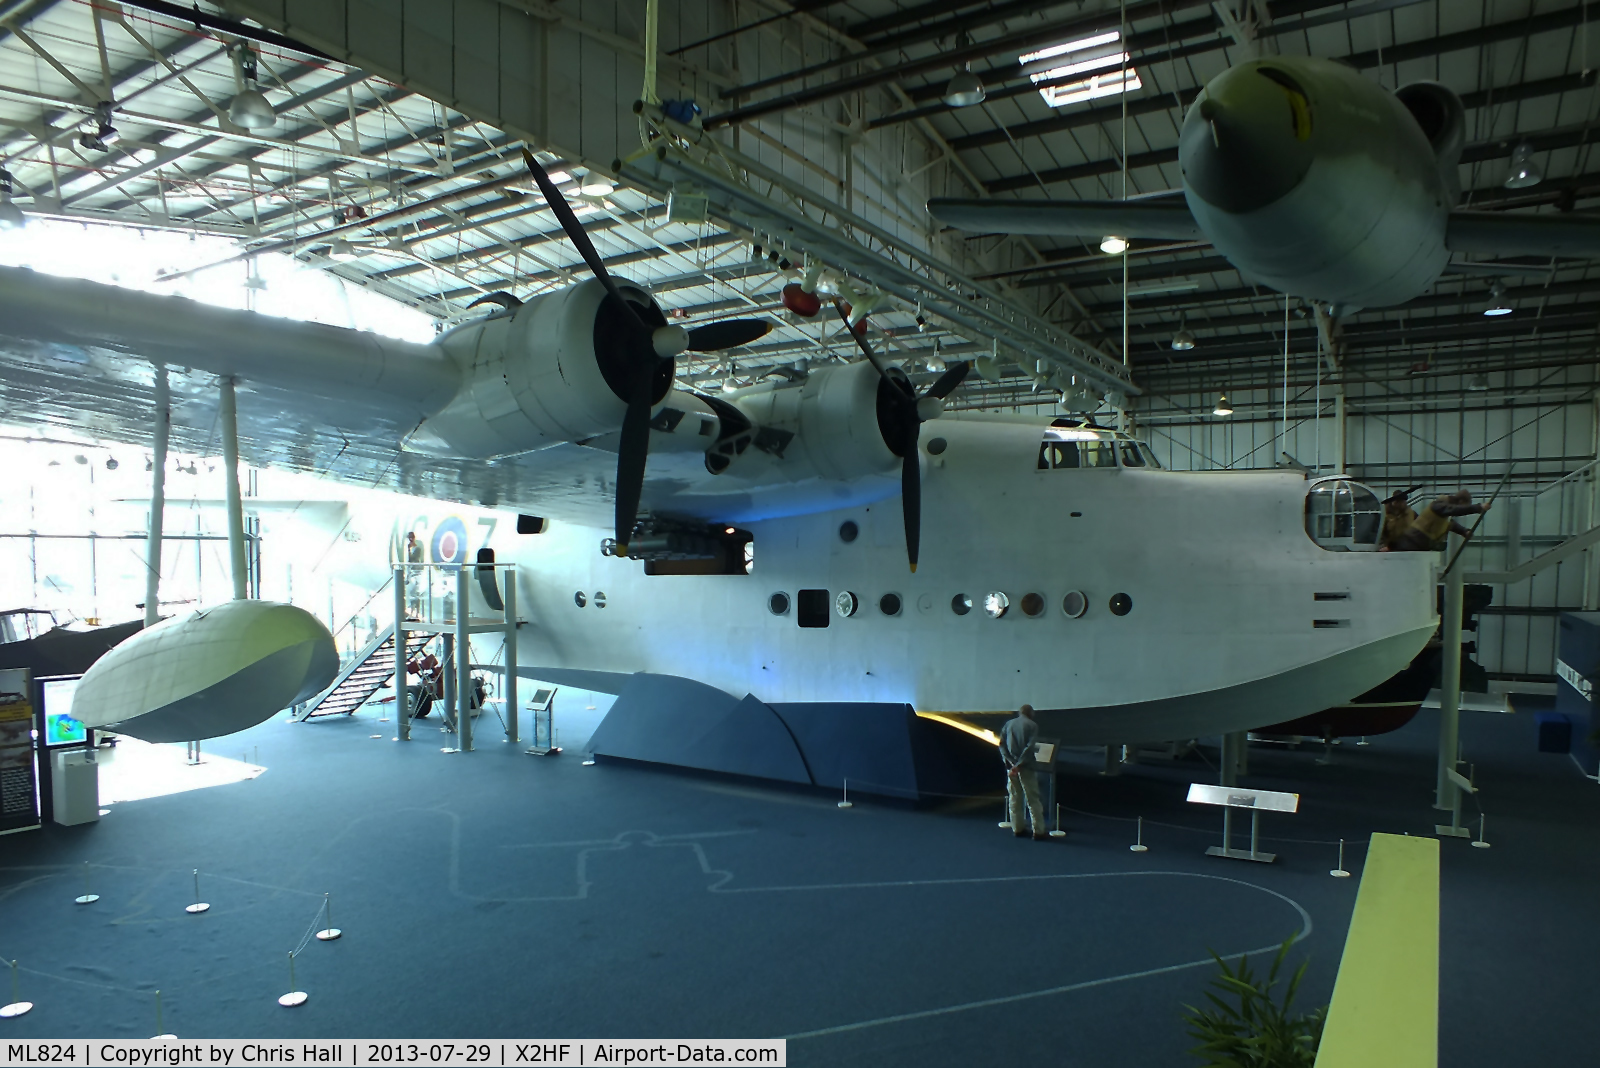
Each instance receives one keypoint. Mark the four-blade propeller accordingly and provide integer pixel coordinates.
(901, 414)
(642, 355)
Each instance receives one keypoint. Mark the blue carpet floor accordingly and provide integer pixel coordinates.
(497, 894)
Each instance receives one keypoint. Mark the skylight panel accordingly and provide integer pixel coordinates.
(1101, 59)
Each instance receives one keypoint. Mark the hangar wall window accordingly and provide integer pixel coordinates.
(1343, 516)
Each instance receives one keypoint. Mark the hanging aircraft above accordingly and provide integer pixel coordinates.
(752, 546)
(1313, 180)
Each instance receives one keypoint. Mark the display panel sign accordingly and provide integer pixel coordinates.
(19, 795)
(59, 726)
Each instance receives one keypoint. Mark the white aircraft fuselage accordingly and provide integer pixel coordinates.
(1235, 616)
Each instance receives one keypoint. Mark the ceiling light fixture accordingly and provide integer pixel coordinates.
(1183, 340)
(595, 184)
(1113, 245)
(1497, 300)
(1478, 382)
(1223, 407)
(965, 89)
(1524, 172)
(250, 109)
(11, 217)
(343, 251)
(105, 135)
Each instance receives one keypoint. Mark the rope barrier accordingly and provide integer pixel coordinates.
(1100, 815)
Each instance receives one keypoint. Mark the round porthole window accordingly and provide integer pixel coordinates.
(996, 604)
(846, 604)
(961, 604)
(599, 599)
(778, 604)
(1121, 604)
(848, 531)
(937, 446)
(1074, 604)
(579, 599)
(889, 604)
(1032, 604)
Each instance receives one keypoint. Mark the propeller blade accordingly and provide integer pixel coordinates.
(727, 334)
(861, 343)
(948, 381)
(576, 234)
(632, 451)
(911, 494)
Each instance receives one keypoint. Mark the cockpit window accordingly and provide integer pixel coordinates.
(1070, 447)
(1343, 516)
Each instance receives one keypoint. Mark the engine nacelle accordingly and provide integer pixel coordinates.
(536, 377)
(827, 428)
(1443, 121)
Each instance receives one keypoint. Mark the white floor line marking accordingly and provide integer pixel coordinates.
(1008, 999)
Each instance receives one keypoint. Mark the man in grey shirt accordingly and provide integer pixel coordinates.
(1016, 748)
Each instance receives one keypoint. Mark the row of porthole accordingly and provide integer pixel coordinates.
(996, 604)
(598, 600)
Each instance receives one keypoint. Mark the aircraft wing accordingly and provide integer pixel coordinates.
(1513, 234)
(81, 356)
(1166, 218)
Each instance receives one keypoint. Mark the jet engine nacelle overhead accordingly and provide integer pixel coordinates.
(533, 377)
(1315, 181)
(1443, 121)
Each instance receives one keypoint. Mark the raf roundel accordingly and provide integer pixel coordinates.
(450, 542)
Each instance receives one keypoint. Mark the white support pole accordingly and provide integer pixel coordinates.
(158, 500)
(1450, 681)
(463, 665)
(510, 597)
(228, 417)
(402, 708)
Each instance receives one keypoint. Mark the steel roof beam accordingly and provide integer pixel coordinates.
(1086, 25)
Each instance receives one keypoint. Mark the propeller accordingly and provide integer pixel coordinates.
(635, 356)
(901, 414)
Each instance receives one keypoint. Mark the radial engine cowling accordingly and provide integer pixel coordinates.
(832, 427)
(541, 375)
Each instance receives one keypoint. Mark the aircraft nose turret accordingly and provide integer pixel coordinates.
(1247, 140)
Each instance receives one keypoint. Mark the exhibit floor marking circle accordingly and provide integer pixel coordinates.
(1030, 995)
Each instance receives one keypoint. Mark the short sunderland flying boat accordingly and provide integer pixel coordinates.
(1313, 180)
(1059, 565)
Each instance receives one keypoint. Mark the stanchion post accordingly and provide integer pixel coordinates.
(198, 906)
(86, 898)
(293, 997)
(1058, 832)
(1339, 872)
(1138, 845)
(161, 1032)
(17, 1006)
(330, 932)
(1480, 843)
(846, 803)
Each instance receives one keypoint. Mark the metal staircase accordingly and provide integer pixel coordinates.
(363, 676)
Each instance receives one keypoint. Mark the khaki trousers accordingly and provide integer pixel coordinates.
(1024, 786)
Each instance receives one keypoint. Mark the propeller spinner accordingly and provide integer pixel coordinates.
(901, 414)
(641, 351)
